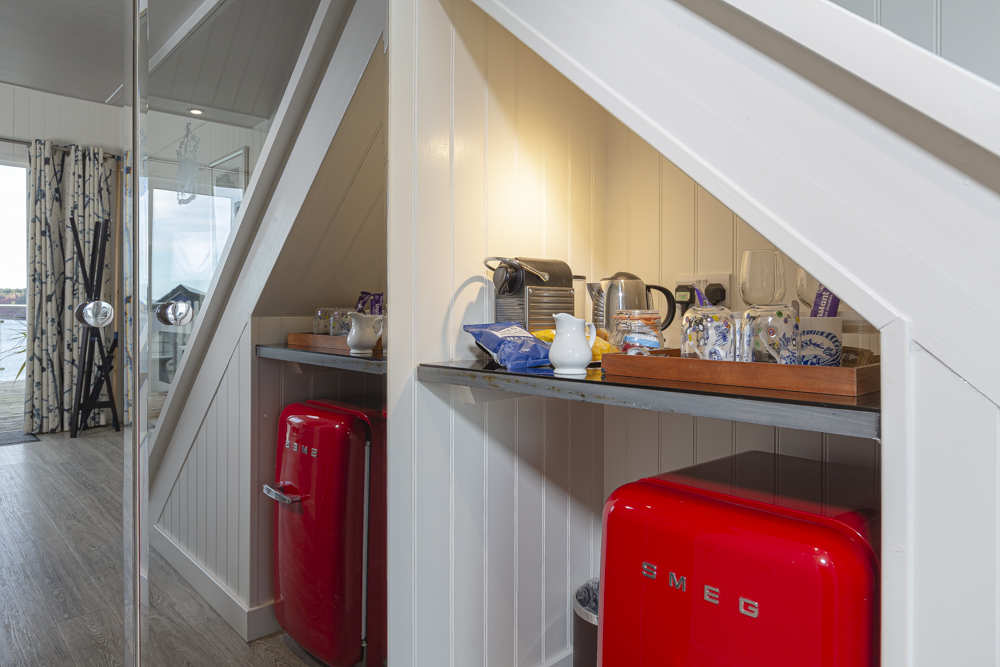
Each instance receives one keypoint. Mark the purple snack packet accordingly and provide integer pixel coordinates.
(825, 304)
(376, 303)
(363, 301)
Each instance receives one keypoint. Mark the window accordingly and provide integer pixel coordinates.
(13, 268)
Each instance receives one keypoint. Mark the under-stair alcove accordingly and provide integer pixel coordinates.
(500, 498)
(321, 241)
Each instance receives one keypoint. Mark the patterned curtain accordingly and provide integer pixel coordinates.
(75, 181)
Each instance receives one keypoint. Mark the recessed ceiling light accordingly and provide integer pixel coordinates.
(196, 112)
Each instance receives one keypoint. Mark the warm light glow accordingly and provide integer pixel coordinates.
(196, 112)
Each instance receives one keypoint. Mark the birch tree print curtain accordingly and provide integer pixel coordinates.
(63, 182)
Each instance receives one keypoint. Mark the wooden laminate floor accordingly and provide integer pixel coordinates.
(61, 573)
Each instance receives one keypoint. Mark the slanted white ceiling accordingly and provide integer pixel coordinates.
(236, 63)
(231, 56)
(68, 47)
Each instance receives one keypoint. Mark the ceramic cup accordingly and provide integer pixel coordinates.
(364, 333)
(820, 340)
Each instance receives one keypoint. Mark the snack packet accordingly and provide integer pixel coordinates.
(509, 344)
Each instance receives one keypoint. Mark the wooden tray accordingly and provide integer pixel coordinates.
(807, 379)
(334, 344)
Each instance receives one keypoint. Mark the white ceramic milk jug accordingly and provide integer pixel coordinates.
(364, 334)
(571, 349)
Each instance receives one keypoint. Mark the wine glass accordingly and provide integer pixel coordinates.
(762, 277)
(805, 287)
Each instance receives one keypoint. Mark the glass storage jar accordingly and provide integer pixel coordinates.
(636, 329)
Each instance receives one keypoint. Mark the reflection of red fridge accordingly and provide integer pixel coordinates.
(330, 474)
(751, 560)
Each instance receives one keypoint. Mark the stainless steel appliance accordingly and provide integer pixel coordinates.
(530, 291)
(626, 291)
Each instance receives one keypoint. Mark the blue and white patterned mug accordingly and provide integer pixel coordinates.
(820, 341)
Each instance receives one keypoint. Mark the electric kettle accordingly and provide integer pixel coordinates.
(626, 291)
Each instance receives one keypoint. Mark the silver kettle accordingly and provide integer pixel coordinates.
(626, 291)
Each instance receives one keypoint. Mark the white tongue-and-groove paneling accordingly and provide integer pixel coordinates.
(29, 114)
(889, 209)
(496, 507)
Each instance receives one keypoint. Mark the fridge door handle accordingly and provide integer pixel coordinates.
(276, 492)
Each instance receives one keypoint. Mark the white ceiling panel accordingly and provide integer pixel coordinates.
(67, 47)
(238, 61)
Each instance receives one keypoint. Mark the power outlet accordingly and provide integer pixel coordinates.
(724, 279)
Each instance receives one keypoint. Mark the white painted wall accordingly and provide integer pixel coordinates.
(496, 507)
(29, 114)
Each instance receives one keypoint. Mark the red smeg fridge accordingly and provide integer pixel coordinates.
(329, 520)
(751, 560)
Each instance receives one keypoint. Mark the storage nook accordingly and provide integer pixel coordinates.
(663, 141)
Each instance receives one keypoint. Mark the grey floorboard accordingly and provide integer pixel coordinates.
(98, 551)
(61, 604)
(95, 639)
(25, 526)
(10, 554)
(66, 587)
(28, 635)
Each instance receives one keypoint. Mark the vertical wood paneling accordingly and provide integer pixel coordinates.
(28, 114)
(713, 439)
(643, 442)
(677, 233)
(715, 235)
(643, 210)
(529, 498)
(501, 527)
(233, 462)
(468, 587)
(615, 448)
(530, 172)
(677, 448)
(581, 479)
(248, 489)
(433, 419)
(557, 563)
(218, 412)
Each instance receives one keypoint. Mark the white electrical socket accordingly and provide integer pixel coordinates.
(724, 279)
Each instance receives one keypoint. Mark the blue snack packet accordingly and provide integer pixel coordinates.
(509, 344)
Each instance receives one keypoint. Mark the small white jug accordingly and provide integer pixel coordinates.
(571, 349)
(363, 335)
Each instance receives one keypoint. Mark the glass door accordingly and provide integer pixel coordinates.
(205, 88)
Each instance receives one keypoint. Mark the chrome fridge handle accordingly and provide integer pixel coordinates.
(276, 491)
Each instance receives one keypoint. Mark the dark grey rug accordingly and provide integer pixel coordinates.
(15, 438)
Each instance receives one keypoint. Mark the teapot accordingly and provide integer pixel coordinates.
(626, 291)
(571, 348)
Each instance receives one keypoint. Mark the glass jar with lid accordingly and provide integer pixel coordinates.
(636, 329)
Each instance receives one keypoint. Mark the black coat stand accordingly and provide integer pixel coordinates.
(105, 358)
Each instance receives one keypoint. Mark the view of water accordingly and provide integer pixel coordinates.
(10, 340)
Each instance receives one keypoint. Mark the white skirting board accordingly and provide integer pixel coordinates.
(250, 622)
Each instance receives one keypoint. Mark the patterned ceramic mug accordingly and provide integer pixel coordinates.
(820, 341)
